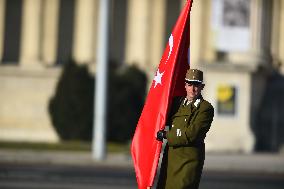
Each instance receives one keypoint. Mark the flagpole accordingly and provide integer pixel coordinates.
(99, 127)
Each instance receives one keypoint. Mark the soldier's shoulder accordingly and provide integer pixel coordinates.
(206, 105)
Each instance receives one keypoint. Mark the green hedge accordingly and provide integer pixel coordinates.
(126, 94)
(71, 108)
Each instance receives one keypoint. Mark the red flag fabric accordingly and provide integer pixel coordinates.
(167, 83)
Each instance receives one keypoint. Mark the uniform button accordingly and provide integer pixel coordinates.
(184, 119)
(172, 125)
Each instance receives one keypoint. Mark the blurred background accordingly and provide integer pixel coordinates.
(48, 66)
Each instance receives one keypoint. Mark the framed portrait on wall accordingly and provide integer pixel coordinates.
(231, 25)
(236, 13)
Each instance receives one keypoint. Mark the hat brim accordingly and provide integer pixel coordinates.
(193, 80)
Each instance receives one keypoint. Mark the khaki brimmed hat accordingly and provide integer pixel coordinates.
(194, 75)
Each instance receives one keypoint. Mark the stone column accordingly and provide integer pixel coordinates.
(30, 48)
(256, 30)
(2, 15)
(199, 23)
(92, 67)
(84, 31)
(157, 35)
(200, 32)
(137, 35)
(202, 36)
(50, 31)
(281, 36)
(276, 33)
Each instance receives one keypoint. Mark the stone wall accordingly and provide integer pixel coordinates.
(24, 99)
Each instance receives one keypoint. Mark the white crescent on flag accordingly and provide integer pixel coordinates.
(171, 44)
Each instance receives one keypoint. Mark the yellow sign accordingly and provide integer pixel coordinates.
(226, 99)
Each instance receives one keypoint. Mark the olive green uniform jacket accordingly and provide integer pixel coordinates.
(184, 154)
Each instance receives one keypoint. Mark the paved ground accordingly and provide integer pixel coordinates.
(265, 163)
(27, 169)
(55, 176)
(269, 163)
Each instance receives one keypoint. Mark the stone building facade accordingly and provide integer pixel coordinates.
(238, 43)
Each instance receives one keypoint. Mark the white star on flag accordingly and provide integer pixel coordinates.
(158, 78)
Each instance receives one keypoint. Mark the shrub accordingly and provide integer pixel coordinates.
(126, 94)
(71, 108)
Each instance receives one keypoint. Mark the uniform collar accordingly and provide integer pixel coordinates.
(195, 102)
(186, 102)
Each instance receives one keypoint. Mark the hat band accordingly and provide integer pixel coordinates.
(192, 80)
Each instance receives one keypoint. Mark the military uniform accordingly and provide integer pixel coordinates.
(185, 151)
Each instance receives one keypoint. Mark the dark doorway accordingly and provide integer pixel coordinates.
(269, 121)
(65, 31)
(12, 31)
(117, 34)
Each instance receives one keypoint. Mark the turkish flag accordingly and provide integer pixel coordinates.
(167, 83)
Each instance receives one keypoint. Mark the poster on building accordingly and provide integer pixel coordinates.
(226, 100)
(231, 25)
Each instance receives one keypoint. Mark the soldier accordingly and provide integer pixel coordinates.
(189, 120)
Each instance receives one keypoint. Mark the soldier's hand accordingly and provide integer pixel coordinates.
(161, 135)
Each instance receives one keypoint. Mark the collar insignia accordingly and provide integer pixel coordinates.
(196, 102)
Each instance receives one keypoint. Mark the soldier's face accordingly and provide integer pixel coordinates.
(193, 90)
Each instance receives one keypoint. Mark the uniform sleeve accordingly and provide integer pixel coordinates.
(195, 131)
